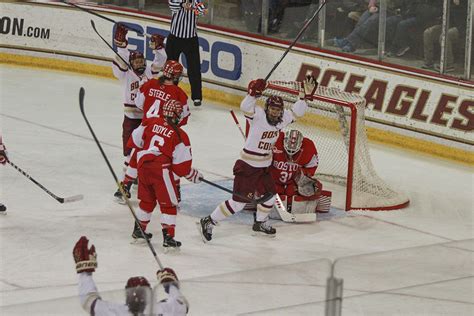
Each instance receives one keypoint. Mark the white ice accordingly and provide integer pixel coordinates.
(417, 261)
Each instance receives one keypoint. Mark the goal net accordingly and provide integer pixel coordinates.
(335, 121)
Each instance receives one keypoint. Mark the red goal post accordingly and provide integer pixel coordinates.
(335, 121)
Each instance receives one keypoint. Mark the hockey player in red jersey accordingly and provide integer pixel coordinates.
(295, 160)
(131, 80)
(150, 99)
(163, 150)
(3, 161)
(251, 171)
(138, 299)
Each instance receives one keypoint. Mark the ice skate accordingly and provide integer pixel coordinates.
(118, 195)
(138, 237)
(169, 243)
(3, 209)
(264, 229)
(205, 226)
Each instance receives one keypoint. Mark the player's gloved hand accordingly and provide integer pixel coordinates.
(200, 9)
(309, 86)
(166, 275)
(120, 36)
(194, 176)
(256, 87)
(3, 154)
(157, 41)
(85, 257)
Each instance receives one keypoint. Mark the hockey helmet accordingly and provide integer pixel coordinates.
(292, 141)
(274, 108)
(138, 292)
(173, 70)
(137, 62)
(173, 110)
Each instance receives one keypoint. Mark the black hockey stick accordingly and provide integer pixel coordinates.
(305, 26)
(110, 46)
(54, 196)
(127, 201)
(267, 196)
(104, 17)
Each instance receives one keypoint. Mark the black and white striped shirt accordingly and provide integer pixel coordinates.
(183, 22)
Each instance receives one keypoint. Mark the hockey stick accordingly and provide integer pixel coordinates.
(110, 46)
(305, 26)
(106, 18)
(54, 196)
(279, 206)
(127, 201)
(261, 200)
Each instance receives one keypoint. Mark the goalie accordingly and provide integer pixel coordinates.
(295, 160)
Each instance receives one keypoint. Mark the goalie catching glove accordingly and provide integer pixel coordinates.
(308, 88)
(307, 186)
(85, 257)
(256, 87)
(194, 176)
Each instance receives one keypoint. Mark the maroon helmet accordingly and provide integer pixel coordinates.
(173, 70)
(137, 62)
(138, 293)
(274, 108)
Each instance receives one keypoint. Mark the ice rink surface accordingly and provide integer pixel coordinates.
(418, 261)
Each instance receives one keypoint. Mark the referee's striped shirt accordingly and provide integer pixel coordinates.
(183, 22)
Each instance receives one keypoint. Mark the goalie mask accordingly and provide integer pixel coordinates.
(137, 62)
(173, 70)
(137, 291)
(274, 108)
(173, 111)
(292, 142)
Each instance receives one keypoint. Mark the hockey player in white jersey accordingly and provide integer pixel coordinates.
(138, 291)
(251, 171)
(131, 80)
(3, 161)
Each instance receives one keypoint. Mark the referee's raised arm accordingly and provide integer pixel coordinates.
(183, 39)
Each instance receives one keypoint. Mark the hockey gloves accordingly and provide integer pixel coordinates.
(85, 257)
(200, 9)
(166, 275)
(308, 87)
(157, 42)
(308, 186)
(3, 154)
(120, 37)
(256, 88)
(194, 176)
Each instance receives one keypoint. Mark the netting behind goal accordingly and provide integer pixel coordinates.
(335, 121)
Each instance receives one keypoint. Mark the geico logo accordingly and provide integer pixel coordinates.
(225, 59)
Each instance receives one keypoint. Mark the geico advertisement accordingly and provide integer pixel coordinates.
(421, 105)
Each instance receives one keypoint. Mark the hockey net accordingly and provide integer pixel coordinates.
(335, 121)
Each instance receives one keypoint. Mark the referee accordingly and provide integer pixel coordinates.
(183, 39)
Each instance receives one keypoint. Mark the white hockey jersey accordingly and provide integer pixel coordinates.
(131, 81)
(175, 305)
(262, 136)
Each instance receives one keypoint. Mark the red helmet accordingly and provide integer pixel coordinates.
(173, 70)
(137, 62)
(173, 109)
(274, 107)
(138, 293)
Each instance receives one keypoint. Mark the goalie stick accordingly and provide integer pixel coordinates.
(279, 206)
(117, 182)
(110, 46)
(54, 196)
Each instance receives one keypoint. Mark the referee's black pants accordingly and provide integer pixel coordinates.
(190, 48)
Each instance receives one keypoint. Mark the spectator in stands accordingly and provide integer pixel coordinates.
(251, 11)
(417, 15)
(367, 28)
(432, 36)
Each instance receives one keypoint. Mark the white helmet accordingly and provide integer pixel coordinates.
(292, 141)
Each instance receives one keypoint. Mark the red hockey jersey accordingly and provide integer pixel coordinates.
(154, 94)
(306, 159)
(157, 141)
